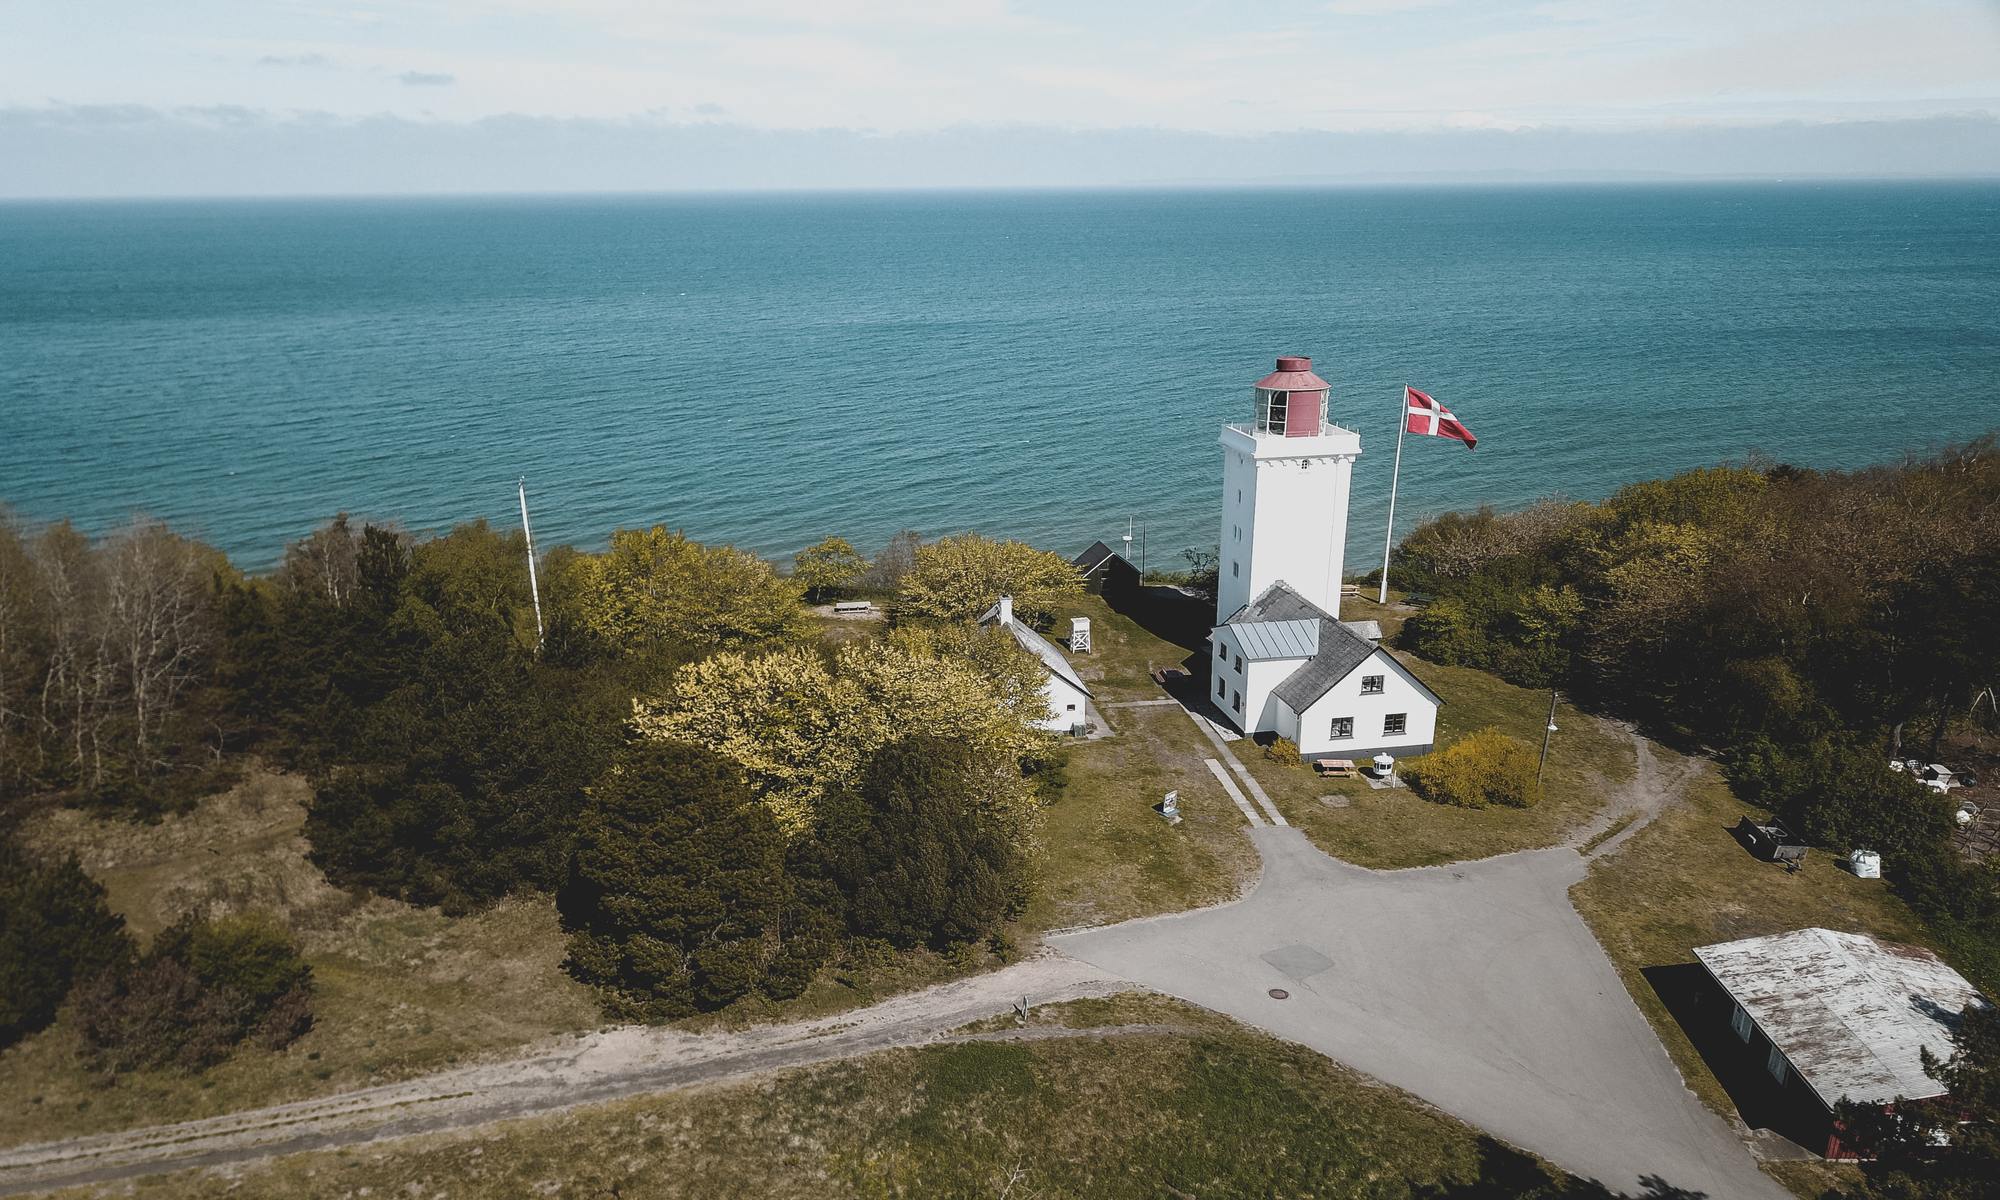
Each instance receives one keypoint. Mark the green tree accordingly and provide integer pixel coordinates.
(827, 567)
(919, 859)
(1942, 1150)
(958, 578)
(654, 586)
(55, 929)
(675, 885)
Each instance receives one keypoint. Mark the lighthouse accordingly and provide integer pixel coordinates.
(1283, 664)
(1285, 476)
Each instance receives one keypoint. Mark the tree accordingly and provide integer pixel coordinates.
(920, 859)
(674, 885)
(958, 578)
(55, 929)
(893, 561)
(1947, 1149)
(799, 726)
(827, 567)
(653, 586)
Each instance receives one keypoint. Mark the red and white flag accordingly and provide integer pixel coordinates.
(1423, 415)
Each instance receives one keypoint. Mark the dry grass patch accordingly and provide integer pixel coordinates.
(1147, 1115)
(400, 990)
(1589, 760)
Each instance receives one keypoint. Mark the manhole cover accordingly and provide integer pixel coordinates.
(1280, 994)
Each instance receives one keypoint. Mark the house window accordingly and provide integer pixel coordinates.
(1237, 701)
(1223, 653)
(1395, 723)
(1343, 727)
(1069, 708)
(1371, 685)
(1739, 1020)
(1776, 1064)
(1221, 686)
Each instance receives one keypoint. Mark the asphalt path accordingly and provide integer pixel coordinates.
(1476, 986)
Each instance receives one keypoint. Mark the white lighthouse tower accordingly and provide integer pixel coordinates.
(1282, 662)
(1284, 494)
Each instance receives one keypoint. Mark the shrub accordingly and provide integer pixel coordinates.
(55, 929)
(1483, 769)
(202, 989)
(1283, 750)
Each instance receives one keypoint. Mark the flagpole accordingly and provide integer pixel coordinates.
(1389, 538)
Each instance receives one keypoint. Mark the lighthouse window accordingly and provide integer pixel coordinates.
(1235, 570)
(1273, 416)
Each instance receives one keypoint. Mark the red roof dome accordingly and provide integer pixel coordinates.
(1294, 374)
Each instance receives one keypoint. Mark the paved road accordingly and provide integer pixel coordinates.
(1476, 986)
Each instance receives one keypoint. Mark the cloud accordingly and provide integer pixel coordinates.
(427, 79)
(60, 150)
(294, 60)
(710, 110)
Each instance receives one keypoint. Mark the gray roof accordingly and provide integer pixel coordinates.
(1277, 639)
(1096, 555)
(1851, 1014)
(1372, 630)
(1340, 651)
(1278, 603)
(1039, 646)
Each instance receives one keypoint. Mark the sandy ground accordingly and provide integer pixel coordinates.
(585, 1069)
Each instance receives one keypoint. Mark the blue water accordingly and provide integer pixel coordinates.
(767, 370)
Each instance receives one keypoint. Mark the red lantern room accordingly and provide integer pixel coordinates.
(1291, 401)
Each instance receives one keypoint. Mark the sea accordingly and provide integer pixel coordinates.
(765, 370)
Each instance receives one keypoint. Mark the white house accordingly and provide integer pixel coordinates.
(1282, 662)
(1069, 700)
(1284, 665)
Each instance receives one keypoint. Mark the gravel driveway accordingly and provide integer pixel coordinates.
(1475, 986)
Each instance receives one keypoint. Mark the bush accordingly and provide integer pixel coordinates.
(1483, 769)
(1283, 750)
(202, 989)
(55, 929)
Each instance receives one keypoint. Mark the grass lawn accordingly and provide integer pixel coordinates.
(1588, 760)
(401, 990)
(1211, 1112)
(1684, 881)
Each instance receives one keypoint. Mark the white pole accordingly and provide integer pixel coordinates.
(1389, 538)
(534, 585)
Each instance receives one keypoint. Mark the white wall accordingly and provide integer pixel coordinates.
(1400, 694)
(1252, 680)
(1284, 515)
(1068, 706)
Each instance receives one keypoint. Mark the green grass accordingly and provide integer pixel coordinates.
(1212, 1114)
(1588, 761)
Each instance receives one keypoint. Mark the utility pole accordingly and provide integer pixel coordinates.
(534, 585)
(1548, 731)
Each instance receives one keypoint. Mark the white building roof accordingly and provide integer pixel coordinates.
(1278, 639)
(1851, 1014)
(1039, 646)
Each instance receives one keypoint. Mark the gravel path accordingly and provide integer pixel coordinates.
(587, 1069)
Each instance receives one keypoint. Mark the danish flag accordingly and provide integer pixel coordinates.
(1423, 415)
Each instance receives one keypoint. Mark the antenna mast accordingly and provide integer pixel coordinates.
(534, 585)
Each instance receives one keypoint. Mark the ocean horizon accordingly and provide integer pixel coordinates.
(766, 369)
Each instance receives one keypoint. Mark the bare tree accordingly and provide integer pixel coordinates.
(326, 561)
(75, 682)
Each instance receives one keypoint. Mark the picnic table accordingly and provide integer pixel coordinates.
(1339, 768)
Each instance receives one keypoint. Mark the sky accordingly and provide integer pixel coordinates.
(196, 96)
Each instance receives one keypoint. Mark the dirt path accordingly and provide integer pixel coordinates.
(1653, 786)
(585, 1069)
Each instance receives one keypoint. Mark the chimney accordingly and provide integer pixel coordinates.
(1006, 610)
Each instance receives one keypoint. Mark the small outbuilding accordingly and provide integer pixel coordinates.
(1062, 687)
(1840, 1016)
(1106, 572)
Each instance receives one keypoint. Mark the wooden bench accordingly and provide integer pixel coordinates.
(854, 606)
